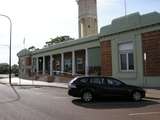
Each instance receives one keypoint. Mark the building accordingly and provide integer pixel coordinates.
(87, 15)
(25, 64)
(130, 49)
(127, 49)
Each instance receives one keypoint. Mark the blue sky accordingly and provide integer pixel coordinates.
(39, 20)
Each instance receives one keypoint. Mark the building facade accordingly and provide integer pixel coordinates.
(127, 49)
(75, 57)
(25, 63)
(130, 49)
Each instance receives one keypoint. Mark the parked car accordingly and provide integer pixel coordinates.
(89, 88)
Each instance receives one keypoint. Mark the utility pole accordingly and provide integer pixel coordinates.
(10, 34)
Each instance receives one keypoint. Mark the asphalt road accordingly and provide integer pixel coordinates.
(30, 103)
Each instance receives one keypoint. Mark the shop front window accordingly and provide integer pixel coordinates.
(68, 65)
(57, 62)
(68, 62)
(80, 61)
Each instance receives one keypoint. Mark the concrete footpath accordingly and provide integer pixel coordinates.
(23, 82)
(153, 93)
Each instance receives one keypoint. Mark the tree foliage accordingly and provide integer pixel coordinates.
(4, 68)
(58, 39)
(15, 69)
(32, 48)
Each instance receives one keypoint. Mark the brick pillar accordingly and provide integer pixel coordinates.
(106, 58)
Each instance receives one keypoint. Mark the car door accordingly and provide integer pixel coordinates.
(82, 83)
(96, 85)
(115, 88)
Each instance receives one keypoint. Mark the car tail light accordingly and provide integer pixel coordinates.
(71, 85)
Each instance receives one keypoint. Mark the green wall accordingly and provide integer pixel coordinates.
(94, 56)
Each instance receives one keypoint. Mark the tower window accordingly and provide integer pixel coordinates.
(89, 26)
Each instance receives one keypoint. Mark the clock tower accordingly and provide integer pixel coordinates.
(87, 17)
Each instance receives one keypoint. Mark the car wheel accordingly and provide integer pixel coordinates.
(87, 96)
(136, 96)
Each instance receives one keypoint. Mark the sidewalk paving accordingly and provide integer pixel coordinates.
(23, 82)
(152, 93)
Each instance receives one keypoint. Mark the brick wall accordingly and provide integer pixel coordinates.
(28, 61)
(151, 46)
(106, 58)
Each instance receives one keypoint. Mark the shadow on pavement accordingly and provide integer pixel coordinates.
(3, 83)
(28, 87)
(113, 104)
(17, 96)
(153, 98)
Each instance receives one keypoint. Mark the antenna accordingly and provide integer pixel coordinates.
(125, 7)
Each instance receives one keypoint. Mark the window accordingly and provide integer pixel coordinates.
(104, 81)
(123, 58)
(94, 63)
(34, 65)
(80, 62)
(68, 65)
(57, 62)
(83, 80)
(126, 56)
(113, 82)
(95, 80)
(80, 65)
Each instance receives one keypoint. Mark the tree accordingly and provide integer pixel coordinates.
(32, 48)
(15, 69)
(4, 68)
(56, 40)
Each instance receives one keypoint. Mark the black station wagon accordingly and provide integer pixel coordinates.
(88, 88)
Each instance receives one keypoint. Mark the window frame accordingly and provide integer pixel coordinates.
(126, 52)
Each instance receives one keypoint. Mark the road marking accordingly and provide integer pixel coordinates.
(145, 113)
